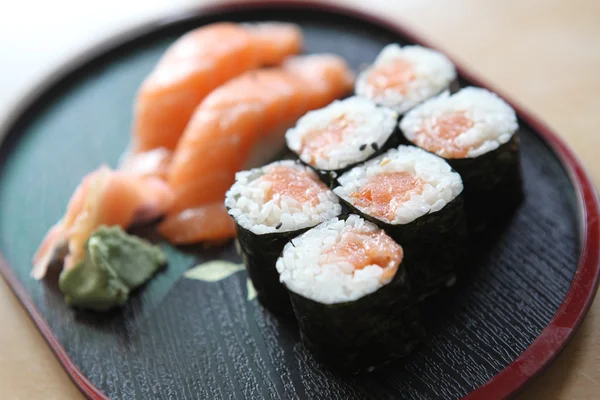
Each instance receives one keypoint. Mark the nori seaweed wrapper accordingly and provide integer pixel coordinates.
(435, 246)
(493, 183)
(260, 254)
(364, 334)
(453, 87)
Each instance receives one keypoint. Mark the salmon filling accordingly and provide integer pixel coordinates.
(362, 249)
(438, 134)
(319, 142)
(385, 192)
(339, 260)
(280, 197)
(394, 75)
(290, 182)
(342, 134)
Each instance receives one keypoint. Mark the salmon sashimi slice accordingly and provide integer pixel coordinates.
(385, 192)
(276, 40)
(362, 249)
(438, 134)
(191, 195)
(249, 115)
(195, 65)
(105, 197)
(208, 222)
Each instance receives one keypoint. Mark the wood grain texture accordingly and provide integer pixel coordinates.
(553, 29)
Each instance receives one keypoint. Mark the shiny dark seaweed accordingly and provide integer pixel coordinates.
(260, 253)
(493, 183)
(364, 334)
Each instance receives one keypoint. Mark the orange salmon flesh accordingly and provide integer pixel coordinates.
(385, 192)
(207, 222)
(318, 143)
(362, 249)
(195, 65)
(299, 185)
(393, 75)
(231, 122)
(438, 135)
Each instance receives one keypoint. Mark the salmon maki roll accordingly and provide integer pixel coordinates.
(242, 124)
(403, 77)
(342, 135)
(270, 206)
(477, 133)
(350, 294)
(195, 65)
(416, 197)
(105, 197)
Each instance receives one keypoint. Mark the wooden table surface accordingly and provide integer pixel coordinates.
(544, 53)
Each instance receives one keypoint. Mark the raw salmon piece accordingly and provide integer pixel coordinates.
(362, 249)
(385, 192)
(105, 197)
(206, 222)
(393, 75)
(319, 142)
(191, 195)
(438, 134)
(287, 181)
(154, 162)
(196, 64)
(233, 118)
(250, 113)
(276, 40)
(327, 77)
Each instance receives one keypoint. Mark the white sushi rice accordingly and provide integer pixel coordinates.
(495, 122)
(246, 202)
(441, 183)
(433, 71)
(370, 128)
(304, 270)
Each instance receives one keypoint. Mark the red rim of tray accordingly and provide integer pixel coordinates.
(544, 349)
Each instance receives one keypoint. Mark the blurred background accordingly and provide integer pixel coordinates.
(545, 54)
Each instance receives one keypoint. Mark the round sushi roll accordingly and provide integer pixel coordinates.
(416, 197)
(476, 132)
(350, 294)
(403, 77)
(271, 205)
(343, 134)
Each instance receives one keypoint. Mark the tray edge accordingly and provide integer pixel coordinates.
(509, 381)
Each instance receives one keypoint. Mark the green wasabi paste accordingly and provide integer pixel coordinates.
(115, 264)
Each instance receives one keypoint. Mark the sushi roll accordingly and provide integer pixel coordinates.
(271, 205)
(403, 77)
(343, 134)
(350, 294)
(476, 132)
(416, 197)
